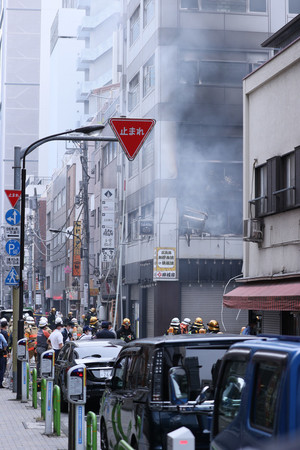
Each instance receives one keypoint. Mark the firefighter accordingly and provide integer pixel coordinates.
(125, 332)
(94, 325)
(31, 332)
(174, 327)
(184, 326)
(213, 326)
(197, 326)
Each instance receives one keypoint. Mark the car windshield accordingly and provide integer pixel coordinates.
(97, 351)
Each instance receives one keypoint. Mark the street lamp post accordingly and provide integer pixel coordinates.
(70, 135)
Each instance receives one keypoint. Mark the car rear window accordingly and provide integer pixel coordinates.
(98, 351)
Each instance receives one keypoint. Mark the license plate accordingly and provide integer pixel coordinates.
(102, 373)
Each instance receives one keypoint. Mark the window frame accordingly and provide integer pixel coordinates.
(149, 76)
(149, 5)
(134, 25)
(134, 91)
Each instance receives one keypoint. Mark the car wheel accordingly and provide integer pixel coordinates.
(104, 440)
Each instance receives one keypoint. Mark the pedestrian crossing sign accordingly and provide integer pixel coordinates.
(12, 278)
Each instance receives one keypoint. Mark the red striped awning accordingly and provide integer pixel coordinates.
(275, 296)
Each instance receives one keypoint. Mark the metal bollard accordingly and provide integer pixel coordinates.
(34, 388)
(91, 431)
(43, 398)
(56, 410)
(27, 380)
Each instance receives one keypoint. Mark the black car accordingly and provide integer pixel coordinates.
(161, 384)
(98, 355)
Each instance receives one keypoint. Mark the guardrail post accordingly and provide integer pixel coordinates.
(91, 431)
(34, 388)
(43, 398)
(56, 410)
(27, 380)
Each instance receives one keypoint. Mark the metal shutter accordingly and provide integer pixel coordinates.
(206, 301)
(150, 312)
(271, 322)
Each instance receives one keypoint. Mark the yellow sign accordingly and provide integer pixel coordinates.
(164, 263)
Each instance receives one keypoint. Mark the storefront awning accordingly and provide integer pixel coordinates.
(275, 296)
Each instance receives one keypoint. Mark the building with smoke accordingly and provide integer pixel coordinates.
(270, 286)
(183, 64)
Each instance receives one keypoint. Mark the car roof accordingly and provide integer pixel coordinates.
(273, 343)
(191, 339)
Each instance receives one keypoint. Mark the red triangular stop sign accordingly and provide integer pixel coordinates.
(131, 133)
(13, 196)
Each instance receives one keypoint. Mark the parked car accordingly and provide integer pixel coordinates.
(257, 395)
(98, 355)
(160, 384)
(7, 313)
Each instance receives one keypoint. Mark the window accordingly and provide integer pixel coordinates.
(288, 181)
(98, 171)
(238, 6)
(189, 4)
(277, 188)
(119, 375)
(55, 204)
(229, 396)
(98, 216)
(257, 5)
(260, 200)
(48, 252)
(148, 151)
(135, 25)
(294, 6)
(63, 196)
(134, 167)
(134, 92)
(59, 200)
(265, 395)
(148, 11)
(147, 211)
(133, 225)
(48, 220)
(148, 76)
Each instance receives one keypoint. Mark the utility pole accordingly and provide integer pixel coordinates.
(86, 225)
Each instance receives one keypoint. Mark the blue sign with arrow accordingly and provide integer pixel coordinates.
(12, 217)
(12, 247)
(12, 278)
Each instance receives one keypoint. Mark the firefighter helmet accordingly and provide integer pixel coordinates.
(93, 320)
(213, 325)
(43, 322)
(126, 321)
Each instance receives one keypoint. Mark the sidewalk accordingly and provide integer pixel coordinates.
(19, 428)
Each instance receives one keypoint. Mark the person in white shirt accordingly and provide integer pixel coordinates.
(56, 337)
(87, 333)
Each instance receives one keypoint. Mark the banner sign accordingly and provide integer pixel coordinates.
(76, 268)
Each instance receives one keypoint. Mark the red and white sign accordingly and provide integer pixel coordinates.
(13, 196)
(131, 133)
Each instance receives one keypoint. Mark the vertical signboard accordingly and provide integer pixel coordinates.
(164, 264)
(107, 225)
(76, 268)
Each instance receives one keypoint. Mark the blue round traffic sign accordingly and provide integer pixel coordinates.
(12, 217)
(12, 247)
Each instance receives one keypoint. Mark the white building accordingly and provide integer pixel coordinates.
(271, 267)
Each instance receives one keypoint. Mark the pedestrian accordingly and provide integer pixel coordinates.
(197, 326)
(3, 347)
(250, 329)
(42, 341)
(4, 332)
(56, 337)
(51, 319)
(94, 325)
(105, 332)
(67, 333)
(31, 332)
(125, 332)
(87, 333)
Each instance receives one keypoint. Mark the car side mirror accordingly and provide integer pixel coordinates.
(178, 386)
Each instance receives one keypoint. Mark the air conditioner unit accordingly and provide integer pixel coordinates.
(253, 230)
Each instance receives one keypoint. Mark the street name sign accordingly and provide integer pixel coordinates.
(12, 278)
(12, 217)
(13, 196)
(131, 133)
(12, 247)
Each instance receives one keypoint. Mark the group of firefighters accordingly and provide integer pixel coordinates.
(187, 327)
